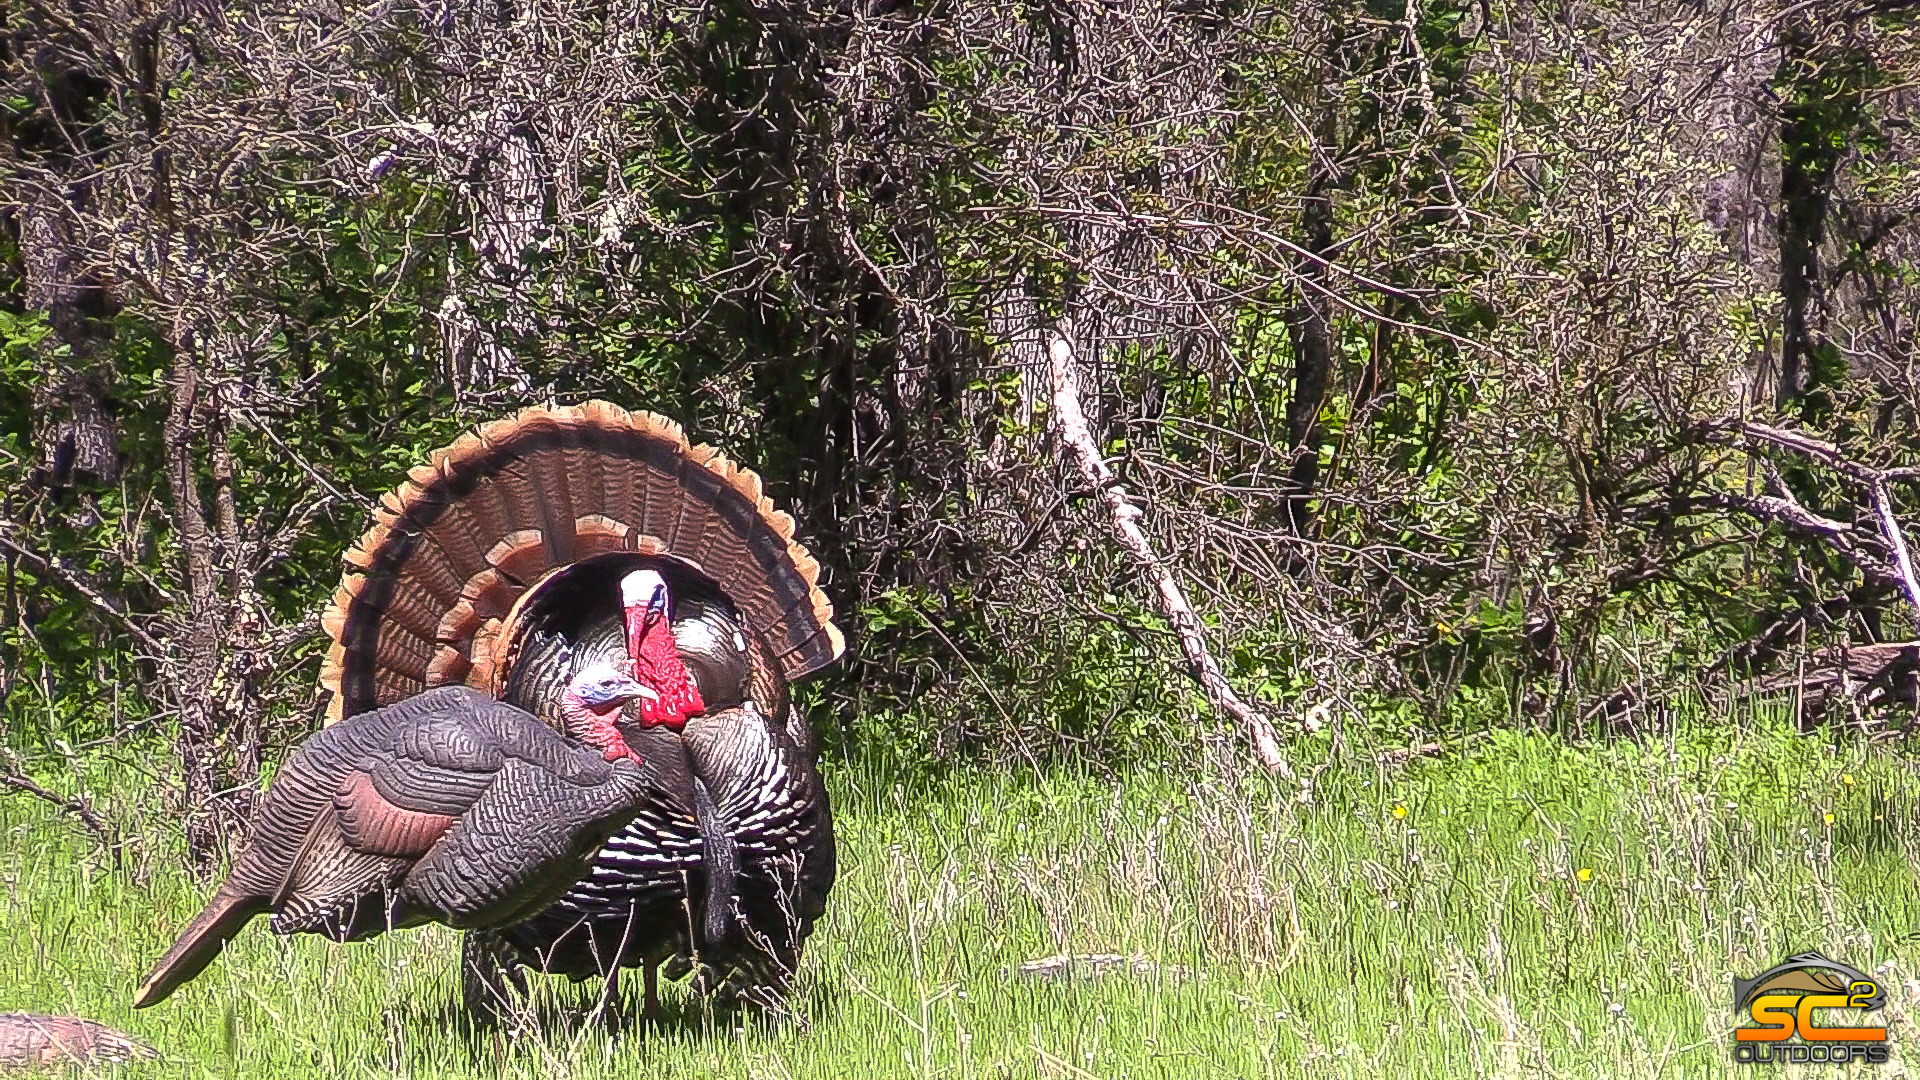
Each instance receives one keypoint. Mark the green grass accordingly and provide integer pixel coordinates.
(1331, 939)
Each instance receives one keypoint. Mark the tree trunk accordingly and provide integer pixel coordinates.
(506, 208)
(1807, 161)
(1311, 333)
(200, 636)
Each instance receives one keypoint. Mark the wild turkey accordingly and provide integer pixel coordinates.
(449, 806)
(563, 536)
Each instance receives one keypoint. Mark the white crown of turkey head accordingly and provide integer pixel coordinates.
(592, 702)
(643, 589)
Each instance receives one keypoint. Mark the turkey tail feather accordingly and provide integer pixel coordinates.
(199, 943)
(429, 588)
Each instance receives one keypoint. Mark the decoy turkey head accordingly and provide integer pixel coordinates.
(656, 657)
(593, 701)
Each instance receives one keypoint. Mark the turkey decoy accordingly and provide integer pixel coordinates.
(558, 537)
(449, 806)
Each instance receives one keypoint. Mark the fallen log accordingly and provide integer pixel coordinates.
(1880, 673)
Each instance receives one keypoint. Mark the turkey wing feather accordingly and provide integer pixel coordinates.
(377, 825)
(441, 766)
(523, 843)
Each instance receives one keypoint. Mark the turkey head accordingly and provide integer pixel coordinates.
(647, 608)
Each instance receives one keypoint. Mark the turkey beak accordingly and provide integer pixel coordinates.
(628, 689)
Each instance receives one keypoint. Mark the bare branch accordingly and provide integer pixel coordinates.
(1071, 422)
(84, 589)
(1898, 570)
(80, 806)
(1808, 446)
(1896, 540)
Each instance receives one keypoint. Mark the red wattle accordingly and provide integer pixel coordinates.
(607, 738)
(657, 665)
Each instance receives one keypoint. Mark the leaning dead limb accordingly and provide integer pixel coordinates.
(1893, 564)
(1896, 540)
(1071, 422)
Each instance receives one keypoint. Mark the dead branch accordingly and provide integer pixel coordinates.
(1071, 422)
(1890, 529)
(1404, 754)
(1797, 520)
(33, 1041)
(80, 806)
(1782, 508)
(1869, 674)
(1807, 446)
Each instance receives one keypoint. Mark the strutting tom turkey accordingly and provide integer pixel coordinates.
(561, 537)
(449, 807)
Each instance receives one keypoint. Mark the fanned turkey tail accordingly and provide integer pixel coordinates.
(435, 593)
(200, 943)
